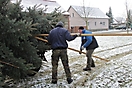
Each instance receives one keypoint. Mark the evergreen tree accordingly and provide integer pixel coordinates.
(18, 48)
(43, 24)
(109, 14)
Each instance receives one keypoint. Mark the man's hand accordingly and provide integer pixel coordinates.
(78, 35)
(82, 47)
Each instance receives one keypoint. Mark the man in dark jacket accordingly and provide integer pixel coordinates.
(90, 43)
(57, 38)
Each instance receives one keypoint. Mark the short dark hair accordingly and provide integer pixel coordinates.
(81, 28)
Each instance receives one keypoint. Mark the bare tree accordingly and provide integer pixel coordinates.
(128, 16)
(86, 12)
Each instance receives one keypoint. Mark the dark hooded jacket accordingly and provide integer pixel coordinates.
(58, 37)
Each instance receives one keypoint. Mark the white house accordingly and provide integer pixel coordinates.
(46, 4)
(49, 5)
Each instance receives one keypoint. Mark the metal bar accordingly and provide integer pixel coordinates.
(96, 34)
(72, 49)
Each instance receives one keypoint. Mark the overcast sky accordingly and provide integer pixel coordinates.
(118, 6)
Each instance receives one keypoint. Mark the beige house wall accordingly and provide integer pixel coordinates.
(76, 20)
(98, 24)
(94, 23)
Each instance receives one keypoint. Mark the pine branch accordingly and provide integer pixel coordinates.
(15, 66)
(9, 64)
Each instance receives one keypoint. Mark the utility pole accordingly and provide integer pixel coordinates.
(127, 19)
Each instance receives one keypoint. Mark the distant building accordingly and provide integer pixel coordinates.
(119, 23)
(49, 5)
(46, 4)
(97, 20)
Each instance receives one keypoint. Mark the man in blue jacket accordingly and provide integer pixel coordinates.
(90, 43)
(57, 38)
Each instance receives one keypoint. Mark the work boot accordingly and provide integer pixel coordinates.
(69, 80)
(54, 82)
(93, 65)
(87, 69)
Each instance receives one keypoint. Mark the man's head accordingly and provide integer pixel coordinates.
(60, 24)
(80, 29)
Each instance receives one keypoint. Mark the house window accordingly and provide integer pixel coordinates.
(95, 23)
(103, 23)
(72, 15)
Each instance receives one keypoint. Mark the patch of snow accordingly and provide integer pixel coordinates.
(116, 73)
